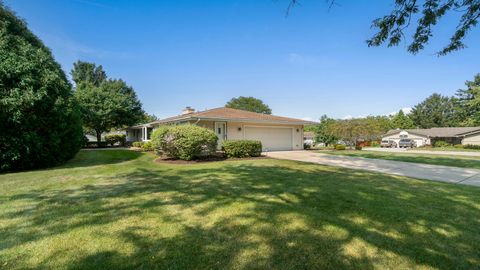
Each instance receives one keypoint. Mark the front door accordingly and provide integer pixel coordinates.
(220, 130)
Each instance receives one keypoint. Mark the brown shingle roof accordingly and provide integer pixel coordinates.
(438, 132)
(224, 113)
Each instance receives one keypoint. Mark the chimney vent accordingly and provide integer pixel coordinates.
(188, 110)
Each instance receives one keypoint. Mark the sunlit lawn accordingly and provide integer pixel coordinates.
(454, 161)
(119, 209)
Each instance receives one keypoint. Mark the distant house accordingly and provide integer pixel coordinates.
(452, 135)
(309, 137)
(275, 132)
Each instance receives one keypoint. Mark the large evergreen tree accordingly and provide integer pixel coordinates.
(402, 121)
(40, 123)
(435, 111)
(469, 103)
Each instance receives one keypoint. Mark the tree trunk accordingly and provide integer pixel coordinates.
(99, 136)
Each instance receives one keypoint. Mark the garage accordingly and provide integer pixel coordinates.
(272, 138)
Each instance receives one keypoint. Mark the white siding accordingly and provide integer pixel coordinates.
(473, 139)
(420, 140)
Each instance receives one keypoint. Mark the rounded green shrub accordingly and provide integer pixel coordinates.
(138, 144)
(358, 147)
(185, 142)
(147, 146)
(340, 147)
(40, 122)
(116, 138)
(441, 144)
(242, 148)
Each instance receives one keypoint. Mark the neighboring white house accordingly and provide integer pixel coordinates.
(452, 135)
(275, 132)
(309, 138)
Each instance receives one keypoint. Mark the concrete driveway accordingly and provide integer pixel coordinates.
(416, 170)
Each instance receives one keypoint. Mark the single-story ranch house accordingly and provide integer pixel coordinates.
(452, 135)
(275, 132)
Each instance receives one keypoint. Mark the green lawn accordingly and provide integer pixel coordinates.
(121, 210)
(455, 161)
(447, 148)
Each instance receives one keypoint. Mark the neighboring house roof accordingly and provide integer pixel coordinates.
(229, 114)
(308, 134)
(439, 132)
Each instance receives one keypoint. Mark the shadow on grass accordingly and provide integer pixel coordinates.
(89, 157)
(239, 215)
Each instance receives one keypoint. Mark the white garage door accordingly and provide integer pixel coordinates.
(273, 139)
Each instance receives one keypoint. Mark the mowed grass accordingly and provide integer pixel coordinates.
(454, 161)
(121, 210)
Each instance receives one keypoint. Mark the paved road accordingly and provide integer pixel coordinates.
(416, 170)
(427, 152)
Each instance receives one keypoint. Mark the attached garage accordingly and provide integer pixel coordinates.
(277, 133)
(272, 138)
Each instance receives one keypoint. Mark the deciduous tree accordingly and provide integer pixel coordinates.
(112, 104)
(88, 72)
(423, 17)
(249, 104)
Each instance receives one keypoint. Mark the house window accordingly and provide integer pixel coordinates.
(219, 131)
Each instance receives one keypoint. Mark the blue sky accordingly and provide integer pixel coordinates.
(181, 53)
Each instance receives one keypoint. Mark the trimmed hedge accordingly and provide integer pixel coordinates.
(340, 147)
(116, 138)
(185, 142)
(472, 146)
(242, 148)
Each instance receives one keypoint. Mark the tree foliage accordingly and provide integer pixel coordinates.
(351, 130)
(435, 111)
(423, 16)
(249, 104)
(88, 72)
(112, 104)
(323, 132)
(468, 105)
(39, 120)
(402, 121)
(148, 118)
(391, 27)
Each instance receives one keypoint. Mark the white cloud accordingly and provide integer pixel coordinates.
(347, 117)
(309, 119)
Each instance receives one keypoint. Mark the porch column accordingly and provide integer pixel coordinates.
(144, 133)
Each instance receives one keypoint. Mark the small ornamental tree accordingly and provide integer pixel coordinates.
(40, 122)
